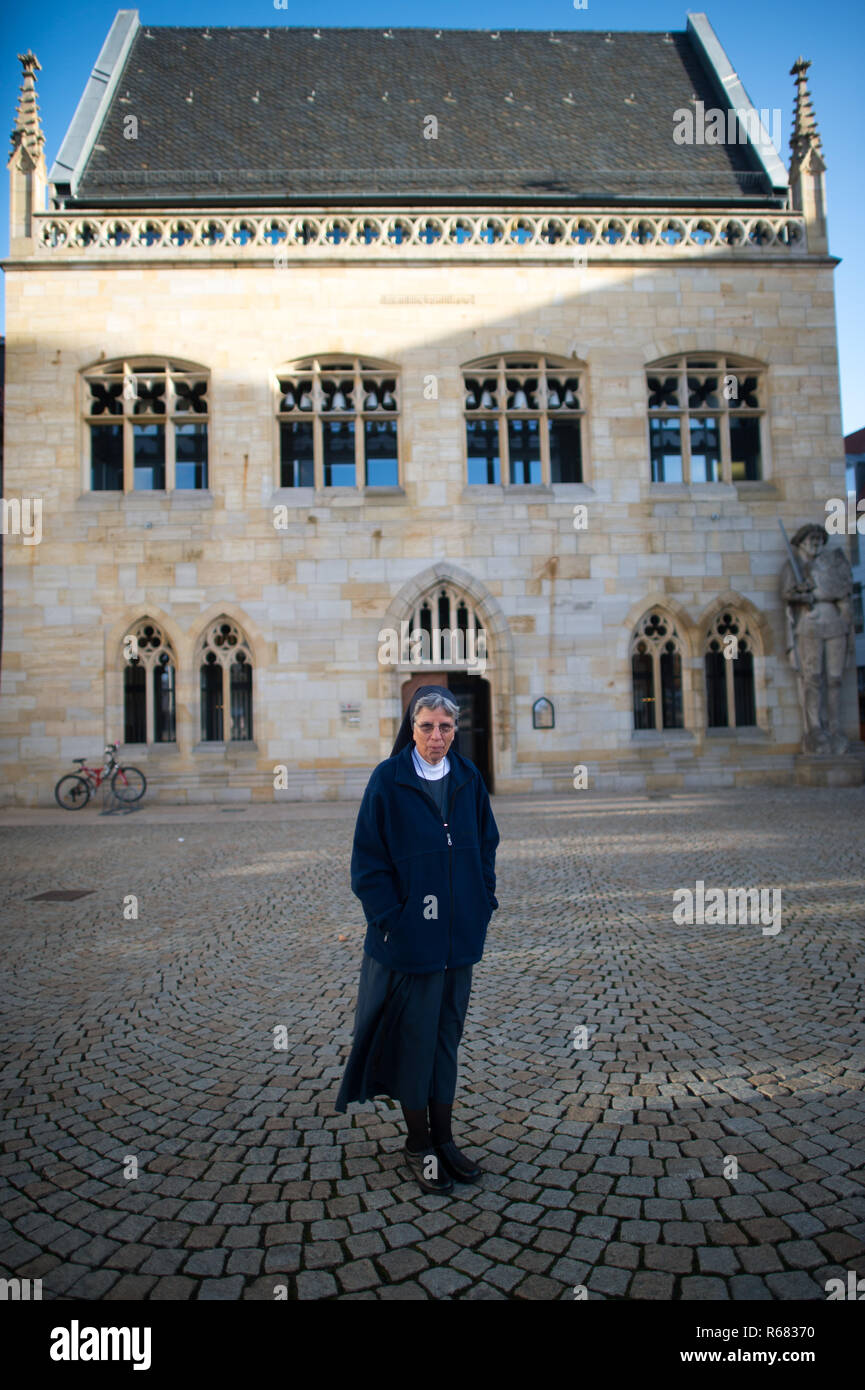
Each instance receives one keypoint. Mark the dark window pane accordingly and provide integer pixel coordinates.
(106, 397)
(703, 391)
(705, 449)
(743, 689)
(241, 701)
(190, 444)
(524, 446)
(745, 392)
(482, 451)
(295, 454)
(148, 442)
(191, 396)
(134, 703)
(338, 437)
(522, 393)
(163, 702)
(211, 703)
(566, 455)
(716, 690)
(644, 705)
(663, 392)
(666, 450)
(149, 392)
(381, 454)
(106, 458)
(745, 448)
(671, 690)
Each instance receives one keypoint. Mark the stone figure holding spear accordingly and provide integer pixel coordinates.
(816, 584)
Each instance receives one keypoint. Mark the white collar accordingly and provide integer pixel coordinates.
(429, 771)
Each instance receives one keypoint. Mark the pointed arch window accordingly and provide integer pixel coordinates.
(444, 629)
(706, 419)
(729, 666)
(146, 421)
(338, 423)
(656, 673)
(148, 685)
(524, 420)
(225, 683)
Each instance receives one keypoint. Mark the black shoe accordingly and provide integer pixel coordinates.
(456, 1163)
(425, 1163)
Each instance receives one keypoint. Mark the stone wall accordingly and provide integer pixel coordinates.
(560, 604)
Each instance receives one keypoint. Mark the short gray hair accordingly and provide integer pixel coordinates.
(436, 702)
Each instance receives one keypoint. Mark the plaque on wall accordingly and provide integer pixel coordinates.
(543, 714)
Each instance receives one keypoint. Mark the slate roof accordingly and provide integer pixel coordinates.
(287, 116)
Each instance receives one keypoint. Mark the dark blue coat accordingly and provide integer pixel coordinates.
(403, 855)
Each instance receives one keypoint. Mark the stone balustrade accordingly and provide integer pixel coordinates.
(582, 236)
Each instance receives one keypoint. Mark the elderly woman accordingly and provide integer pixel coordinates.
(423, 866)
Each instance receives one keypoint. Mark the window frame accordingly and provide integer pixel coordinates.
(357, 366)
(503, 365)
(224, 659)
(744, 633)
(445, 591)
(149, 660)
(657, 648)
(122, 369)
(721, 365)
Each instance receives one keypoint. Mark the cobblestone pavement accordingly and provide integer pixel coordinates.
(607, 1167)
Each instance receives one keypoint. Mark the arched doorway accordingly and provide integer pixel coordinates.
(472, 694)
(479, 672)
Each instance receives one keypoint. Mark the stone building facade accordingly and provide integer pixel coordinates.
(543, 377)
(854, 445)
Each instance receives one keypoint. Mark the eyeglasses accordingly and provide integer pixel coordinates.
(428, 728)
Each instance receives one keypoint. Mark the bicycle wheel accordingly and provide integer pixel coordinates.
(72, 792)
(128, 784)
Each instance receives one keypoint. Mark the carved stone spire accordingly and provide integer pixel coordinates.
(805, 134)
(27, 173)
(807, 166)
(28, 127)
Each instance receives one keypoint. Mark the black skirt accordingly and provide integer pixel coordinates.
(407, 1030)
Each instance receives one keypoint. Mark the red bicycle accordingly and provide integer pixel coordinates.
(73, 791)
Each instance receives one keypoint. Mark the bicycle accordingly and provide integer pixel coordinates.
(74, 790)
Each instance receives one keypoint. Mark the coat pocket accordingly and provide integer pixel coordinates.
(419, 941)
(385, 925)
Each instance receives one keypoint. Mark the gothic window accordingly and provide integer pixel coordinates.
(444, 630)
(148, 685)
(146, 421)
(338, 423)
(225, 683)
(524, 420)
(656, 670)
(705, 420)
(729, 663)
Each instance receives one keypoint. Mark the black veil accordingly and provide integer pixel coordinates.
(405, 734)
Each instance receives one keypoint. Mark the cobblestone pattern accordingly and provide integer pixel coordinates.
(606, 1167)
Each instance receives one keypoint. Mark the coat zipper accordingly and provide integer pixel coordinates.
(432, 808)
(446, 824)
(450, 874)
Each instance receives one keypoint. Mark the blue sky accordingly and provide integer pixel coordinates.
(762, 41)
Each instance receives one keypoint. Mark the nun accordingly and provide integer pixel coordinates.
(423, 867)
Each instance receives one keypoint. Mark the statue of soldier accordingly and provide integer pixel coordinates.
(819, 634)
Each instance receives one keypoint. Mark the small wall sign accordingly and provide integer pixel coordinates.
(543, 714)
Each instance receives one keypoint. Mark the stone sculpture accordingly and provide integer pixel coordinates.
(816, 584)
